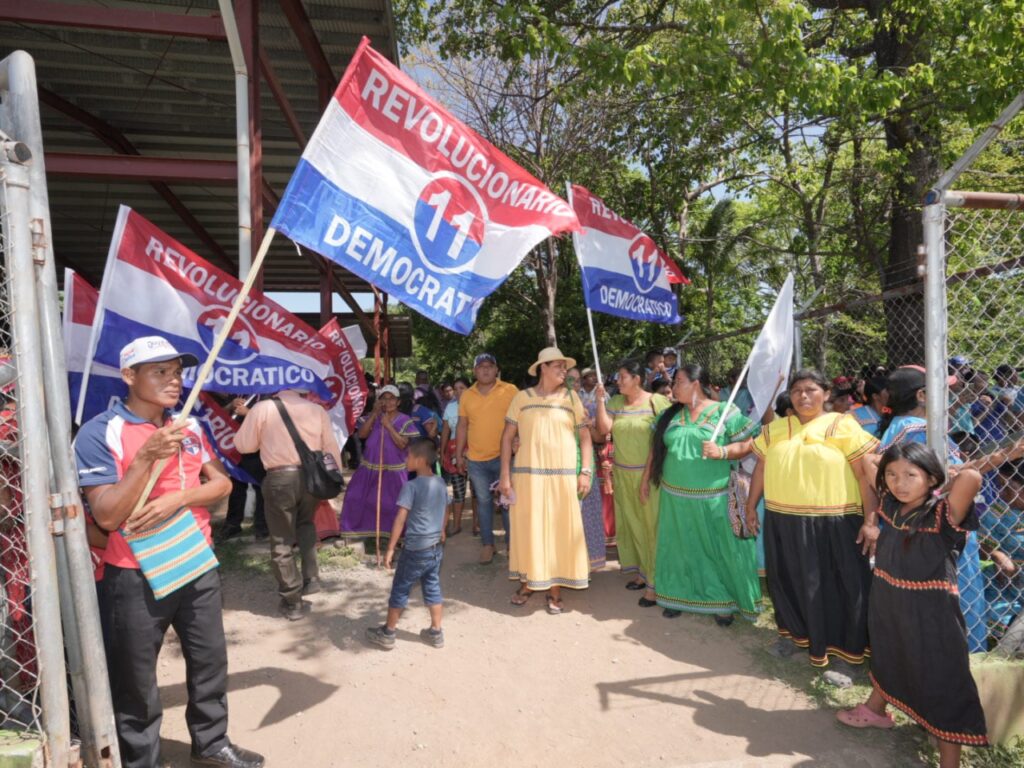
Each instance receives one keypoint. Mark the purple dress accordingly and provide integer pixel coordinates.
(592, 509)
(359, 508)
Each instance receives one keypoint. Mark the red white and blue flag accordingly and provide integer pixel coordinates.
(398, 191)
(347, 381)
(154, 285)
(624, 272)
(105, 385)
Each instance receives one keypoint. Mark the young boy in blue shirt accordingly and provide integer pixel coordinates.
(422, 508)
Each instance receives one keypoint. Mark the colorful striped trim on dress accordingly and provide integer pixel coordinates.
(745, 433)
(830, 650)
(378, 467)
(565, 408)
(970, 739)
(540, 586)
(694, 493)
(383, 533)
(705, 607)
(633, 570)
(917, 586)
(630, 467)
(519, 470)
(807, 510)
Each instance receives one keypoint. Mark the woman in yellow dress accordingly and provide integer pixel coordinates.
(548, 547)
(820, 525)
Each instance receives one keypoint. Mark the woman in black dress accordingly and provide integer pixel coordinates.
(919, 658)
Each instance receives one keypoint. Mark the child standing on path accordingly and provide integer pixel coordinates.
(919, 658)
(422, 508)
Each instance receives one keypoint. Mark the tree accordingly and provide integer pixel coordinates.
(890, 70)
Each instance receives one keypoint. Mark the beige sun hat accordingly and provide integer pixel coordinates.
(549, 355)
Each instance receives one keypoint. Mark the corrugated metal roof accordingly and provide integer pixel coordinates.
(174, 97)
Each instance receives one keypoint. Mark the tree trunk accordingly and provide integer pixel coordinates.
(899, 44)
(547, 285)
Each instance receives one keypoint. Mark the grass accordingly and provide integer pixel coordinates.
(239, 556)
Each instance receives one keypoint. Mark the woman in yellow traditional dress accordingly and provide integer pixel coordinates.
(548, 548)
(820, 525)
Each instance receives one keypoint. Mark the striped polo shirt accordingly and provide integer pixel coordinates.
(104, 449)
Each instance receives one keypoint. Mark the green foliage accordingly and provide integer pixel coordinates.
(824, 121)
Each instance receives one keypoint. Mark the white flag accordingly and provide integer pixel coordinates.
(772, 355)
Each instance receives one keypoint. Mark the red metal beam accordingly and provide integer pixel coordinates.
(166, 169)
(114, 19)
(281, 98)
(117, 141)
(299, 21)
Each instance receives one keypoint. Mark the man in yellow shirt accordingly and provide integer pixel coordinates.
(482, 410)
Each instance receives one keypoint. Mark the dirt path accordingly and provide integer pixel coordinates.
(606, 684)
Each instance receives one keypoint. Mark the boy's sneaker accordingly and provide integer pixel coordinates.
(434, 637)
(380, 637)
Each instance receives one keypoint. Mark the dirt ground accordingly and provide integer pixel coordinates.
(605, 684)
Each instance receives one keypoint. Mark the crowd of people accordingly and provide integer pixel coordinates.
(868, 551)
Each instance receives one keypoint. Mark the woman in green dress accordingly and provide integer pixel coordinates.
(703, 566)
(629, 417)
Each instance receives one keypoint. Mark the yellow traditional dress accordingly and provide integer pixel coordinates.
(548, 545)
(817, 576)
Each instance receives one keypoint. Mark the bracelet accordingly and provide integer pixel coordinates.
(586, 471)
(725, 452)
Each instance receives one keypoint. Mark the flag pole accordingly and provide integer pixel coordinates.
(380, 482)
(730, 401)
(211, 358)
(590, 315)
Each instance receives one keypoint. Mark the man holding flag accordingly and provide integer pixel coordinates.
(160, 568)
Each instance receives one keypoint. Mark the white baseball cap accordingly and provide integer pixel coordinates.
(388, 389)
(153, 349)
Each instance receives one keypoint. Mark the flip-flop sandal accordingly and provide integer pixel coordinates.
(635, 585)
(861, 716)
(554, 606)
(523, 596)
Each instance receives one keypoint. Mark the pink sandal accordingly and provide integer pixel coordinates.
(861, 716)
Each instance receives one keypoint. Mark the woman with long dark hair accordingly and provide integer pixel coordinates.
(819, 526)
(629, 417)
(703, 566)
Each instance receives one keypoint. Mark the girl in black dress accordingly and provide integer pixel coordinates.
(919, 658)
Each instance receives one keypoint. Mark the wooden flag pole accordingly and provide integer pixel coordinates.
(590, 315)
(204, 372)
(380, 482)
(729, 402)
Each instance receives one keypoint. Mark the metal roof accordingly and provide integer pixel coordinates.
(173, 96)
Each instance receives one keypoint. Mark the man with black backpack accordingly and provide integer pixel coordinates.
(288, 504)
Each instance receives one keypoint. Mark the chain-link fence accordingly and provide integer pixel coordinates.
(985, 299)
(961, 310)
(19, 671)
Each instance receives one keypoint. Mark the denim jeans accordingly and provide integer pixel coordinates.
(418, 565)
(482, 474)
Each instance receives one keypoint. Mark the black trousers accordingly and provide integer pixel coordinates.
(236, 507)
(134, 625)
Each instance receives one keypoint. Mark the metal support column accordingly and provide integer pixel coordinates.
(248, 16)
(935, 327)
(35, 472)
